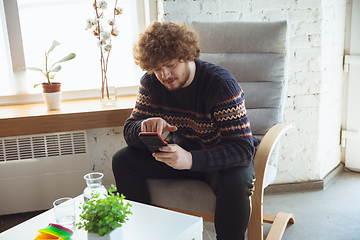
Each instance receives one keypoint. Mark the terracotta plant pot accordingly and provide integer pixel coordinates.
(52, 95)
(50, 88)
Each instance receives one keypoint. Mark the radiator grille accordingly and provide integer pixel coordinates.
(40, 146)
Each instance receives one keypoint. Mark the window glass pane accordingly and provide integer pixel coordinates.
(47, 20)
(4, 57)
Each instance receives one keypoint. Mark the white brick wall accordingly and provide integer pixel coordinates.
(315, 73)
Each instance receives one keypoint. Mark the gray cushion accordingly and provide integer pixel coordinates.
(192, 195)
(241, 37)
(266, 67)
(255, 53)
(265, 92)
(262, 119)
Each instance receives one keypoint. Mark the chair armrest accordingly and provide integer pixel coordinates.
(261, 159)
(265, 149)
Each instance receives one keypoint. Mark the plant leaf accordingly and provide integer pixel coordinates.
(53, 45)
(103, 215)
(32, 68)
(37, 85)
(67, 58)
(58, 68)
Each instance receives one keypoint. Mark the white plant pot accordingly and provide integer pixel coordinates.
(52, 100)
(116, 234)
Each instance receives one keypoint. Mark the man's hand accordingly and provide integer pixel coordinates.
(156, 125)
(174, 156)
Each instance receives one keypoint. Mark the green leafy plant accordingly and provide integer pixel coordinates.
(54, 67)
(102, 215)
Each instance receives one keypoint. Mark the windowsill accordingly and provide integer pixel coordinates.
(27, 119)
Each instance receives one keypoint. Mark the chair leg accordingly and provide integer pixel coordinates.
(279, 225)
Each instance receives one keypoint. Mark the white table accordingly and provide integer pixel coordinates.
(146, 223)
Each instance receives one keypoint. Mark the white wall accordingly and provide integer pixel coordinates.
(314, 98)
(103, 143)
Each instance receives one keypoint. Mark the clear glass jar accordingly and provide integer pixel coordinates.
(94, 185)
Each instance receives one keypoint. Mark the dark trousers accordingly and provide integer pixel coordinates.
(232, 187)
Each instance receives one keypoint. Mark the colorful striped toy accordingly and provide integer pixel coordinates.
(54, 231)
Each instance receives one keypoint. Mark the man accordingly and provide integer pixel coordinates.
(202, 106)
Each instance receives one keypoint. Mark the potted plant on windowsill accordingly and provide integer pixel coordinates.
(51, 90)
(103, 216)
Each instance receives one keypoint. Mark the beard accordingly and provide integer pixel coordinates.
(185, 76)
(181, 82)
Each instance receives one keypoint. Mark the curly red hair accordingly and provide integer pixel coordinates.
(165, 41)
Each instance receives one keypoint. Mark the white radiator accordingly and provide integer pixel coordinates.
(37, 169)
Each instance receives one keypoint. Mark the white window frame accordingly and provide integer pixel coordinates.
(15, 54)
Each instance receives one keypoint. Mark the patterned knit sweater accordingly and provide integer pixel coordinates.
(210, 116)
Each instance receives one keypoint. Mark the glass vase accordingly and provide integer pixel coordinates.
(94, 185)
(108, 95)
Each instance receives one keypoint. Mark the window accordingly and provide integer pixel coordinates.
(42, 21)
(4, 66)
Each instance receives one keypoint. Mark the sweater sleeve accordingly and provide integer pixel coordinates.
(236, 146)
(141, 111)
